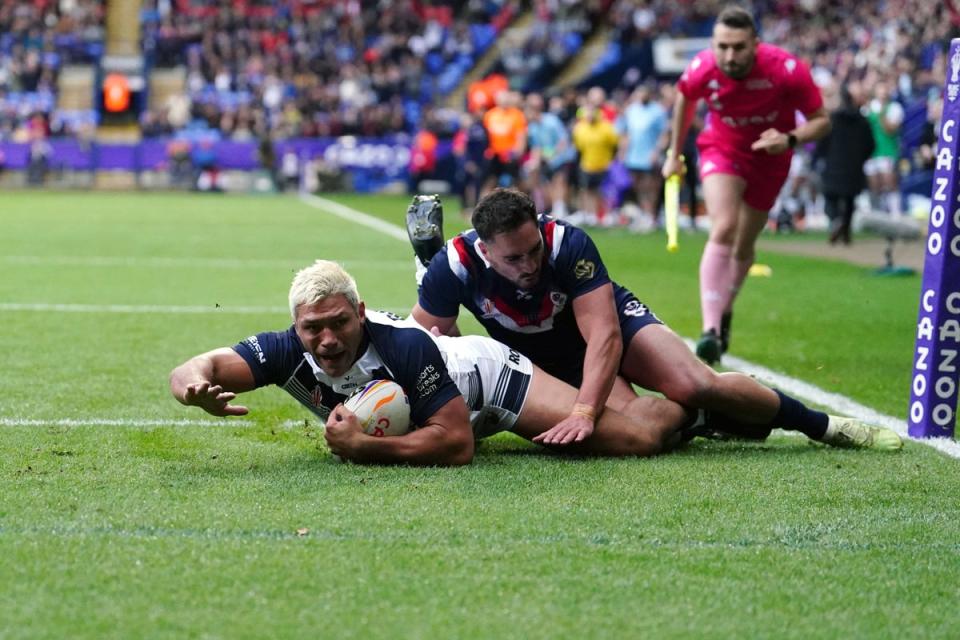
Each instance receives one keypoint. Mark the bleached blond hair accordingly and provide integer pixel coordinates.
(320, 280)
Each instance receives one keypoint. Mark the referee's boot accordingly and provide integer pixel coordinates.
(709, 347)
(853, 434)
(425, 226)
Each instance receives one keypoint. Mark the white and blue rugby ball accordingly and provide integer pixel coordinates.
(382, 408)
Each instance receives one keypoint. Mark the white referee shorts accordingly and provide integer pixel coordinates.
(493, 378)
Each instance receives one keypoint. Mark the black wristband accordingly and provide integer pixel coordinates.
(791, 141)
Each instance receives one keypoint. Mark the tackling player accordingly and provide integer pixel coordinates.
(539, 286)
(459, 388)
(753, 91)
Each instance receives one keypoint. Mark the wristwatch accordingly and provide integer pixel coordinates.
(791, 141)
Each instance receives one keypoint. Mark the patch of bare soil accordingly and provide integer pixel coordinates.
(867, 251)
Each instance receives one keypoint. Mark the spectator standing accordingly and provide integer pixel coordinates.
(470, 144)
(596, 139)
(642, 127)
(885, 116)
(423, 158)
(507, 132)
(840, 158)
(551, 154)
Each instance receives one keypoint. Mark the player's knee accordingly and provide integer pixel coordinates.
(652, 431)
(691, 388)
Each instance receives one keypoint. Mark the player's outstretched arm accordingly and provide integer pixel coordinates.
(446, 439)
(211, 380)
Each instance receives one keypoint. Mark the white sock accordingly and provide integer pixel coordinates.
(421, 270)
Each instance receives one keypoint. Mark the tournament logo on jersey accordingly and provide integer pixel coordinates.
(584, 269)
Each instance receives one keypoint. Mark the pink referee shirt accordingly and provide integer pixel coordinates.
(776, 88)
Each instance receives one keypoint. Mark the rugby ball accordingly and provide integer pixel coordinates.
(382, 408)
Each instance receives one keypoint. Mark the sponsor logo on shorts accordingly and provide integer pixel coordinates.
(584, 269)
(636, 309)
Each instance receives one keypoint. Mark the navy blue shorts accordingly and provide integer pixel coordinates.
(633, 314)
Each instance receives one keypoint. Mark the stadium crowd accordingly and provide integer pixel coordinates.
(326, 68)
(37, 39)
(315, 68)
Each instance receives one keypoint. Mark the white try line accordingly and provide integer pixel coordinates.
(357, 217)
(836, 403)
(833, 402)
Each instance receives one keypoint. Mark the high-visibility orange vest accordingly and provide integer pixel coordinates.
(116, 93)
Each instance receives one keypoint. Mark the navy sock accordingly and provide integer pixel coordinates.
(732, 427)
(796, 416)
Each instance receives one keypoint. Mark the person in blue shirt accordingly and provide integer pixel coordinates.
(552, 157)
(642, 127)
(459, 389)
(539, 285)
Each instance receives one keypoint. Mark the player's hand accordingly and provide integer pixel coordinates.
(672, 166)
(573, 428)
(213, 399)
(342, 432)
(772, 141)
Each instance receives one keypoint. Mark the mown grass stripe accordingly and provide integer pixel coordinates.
(188, 262)
(455, 538)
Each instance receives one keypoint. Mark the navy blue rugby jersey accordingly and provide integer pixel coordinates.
(391, 349)
(538, 322)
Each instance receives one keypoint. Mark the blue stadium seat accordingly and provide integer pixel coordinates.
(482, 36)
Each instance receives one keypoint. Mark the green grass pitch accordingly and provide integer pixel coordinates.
(118, 522)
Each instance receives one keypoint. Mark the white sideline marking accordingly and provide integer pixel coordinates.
(833, 402)
(122, 422)
(136, 308)
(359, 217)
(190, 263)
